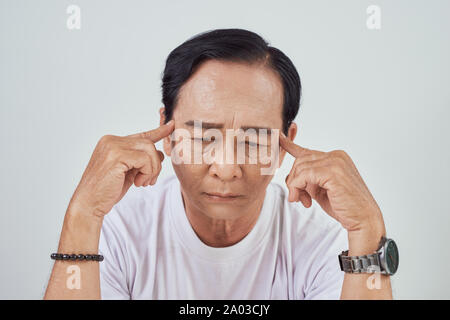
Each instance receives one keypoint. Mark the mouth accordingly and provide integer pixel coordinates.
(222, 197)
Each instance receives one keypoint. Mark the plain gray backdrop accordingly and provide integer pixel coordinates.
(380, 95)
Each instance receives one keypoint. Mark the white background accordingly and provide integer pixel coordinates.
(381, 95)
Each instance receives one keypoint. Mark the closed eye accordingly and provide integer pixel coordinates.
(253, 144)
(250, 143)
(201, 139)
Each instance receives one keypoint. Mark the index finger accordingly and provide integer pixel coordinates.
(293, 149)
(156, 134)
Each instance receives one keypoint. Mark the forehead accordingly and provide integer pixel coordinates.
(232, 93)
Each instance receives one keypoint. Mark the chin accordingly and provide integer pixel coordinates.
(223, 211)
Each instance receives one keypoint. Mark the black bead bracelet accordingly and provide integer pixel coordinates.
(73, 257)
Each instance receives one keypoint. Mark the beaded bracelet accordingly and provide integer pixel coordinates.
(73, 257)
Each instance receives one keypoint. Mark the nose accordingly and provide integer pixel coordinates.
(225, 172)
(225, 169)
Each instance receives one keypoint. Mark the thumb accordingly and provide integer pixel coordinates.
(161, 155)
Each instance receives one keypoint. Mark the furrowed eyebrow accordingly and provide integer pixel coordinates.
(268, 130)
(209, 125)
(205, 125)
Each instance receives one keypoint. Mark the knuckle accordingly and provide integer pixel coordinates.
(289, 183)
(337, 169)
(108, 149)
(112, 155)
(144, 141)
(306, 173)
(148, 160)
(340, 154)
(289, 179)
(337, 157)
(297, 162)
(138, 143)
(155, 171)
(147, 170)
(297, 171)
(147, 145)
(151, 145)
(105, 139)
(159, 166)
(104, 142)
(107, 145)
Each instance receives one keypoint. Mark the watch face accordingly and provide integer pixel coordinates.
(391, 257)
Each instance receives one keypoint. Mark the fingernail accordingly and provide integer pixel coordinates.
(170, 122)
(282, 134)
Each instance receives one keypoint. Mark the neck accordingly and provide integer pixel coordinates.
(222, 232)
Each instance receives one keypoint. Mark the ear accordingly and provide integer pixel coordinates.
(166, 141)
(292, 132)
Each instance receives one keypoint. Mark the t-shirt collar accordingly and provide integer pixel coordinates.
(192, 242)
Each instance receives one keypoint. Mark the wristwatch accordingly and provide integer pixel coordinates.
(384, 260)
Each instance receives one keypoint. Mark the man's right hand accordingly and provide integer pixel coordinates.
(117, 163)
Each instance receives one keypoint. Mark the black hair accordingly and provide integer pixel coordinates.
(235, 45)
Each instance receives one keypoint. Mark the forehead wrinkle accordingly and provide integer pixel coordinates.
(207, 87)
(233, 122)
(209, 95)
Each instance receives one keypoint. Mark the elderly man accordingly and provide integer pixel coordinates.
(220, 229)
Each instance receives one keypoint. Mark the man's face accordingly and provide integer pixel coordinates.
(227, 95)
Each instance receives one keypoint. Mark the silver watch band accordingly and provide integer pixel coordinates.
(360, 264)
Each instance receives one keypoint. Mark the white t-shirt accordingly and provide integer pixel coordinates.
(152, 252)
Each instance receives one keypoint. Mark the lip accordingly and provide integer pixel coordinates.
(222, 196)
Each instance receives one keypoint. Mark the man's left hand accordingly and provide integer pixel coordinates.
(332, 179)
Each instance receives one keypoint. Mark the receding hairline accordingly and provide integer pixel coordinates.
(262, 63)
